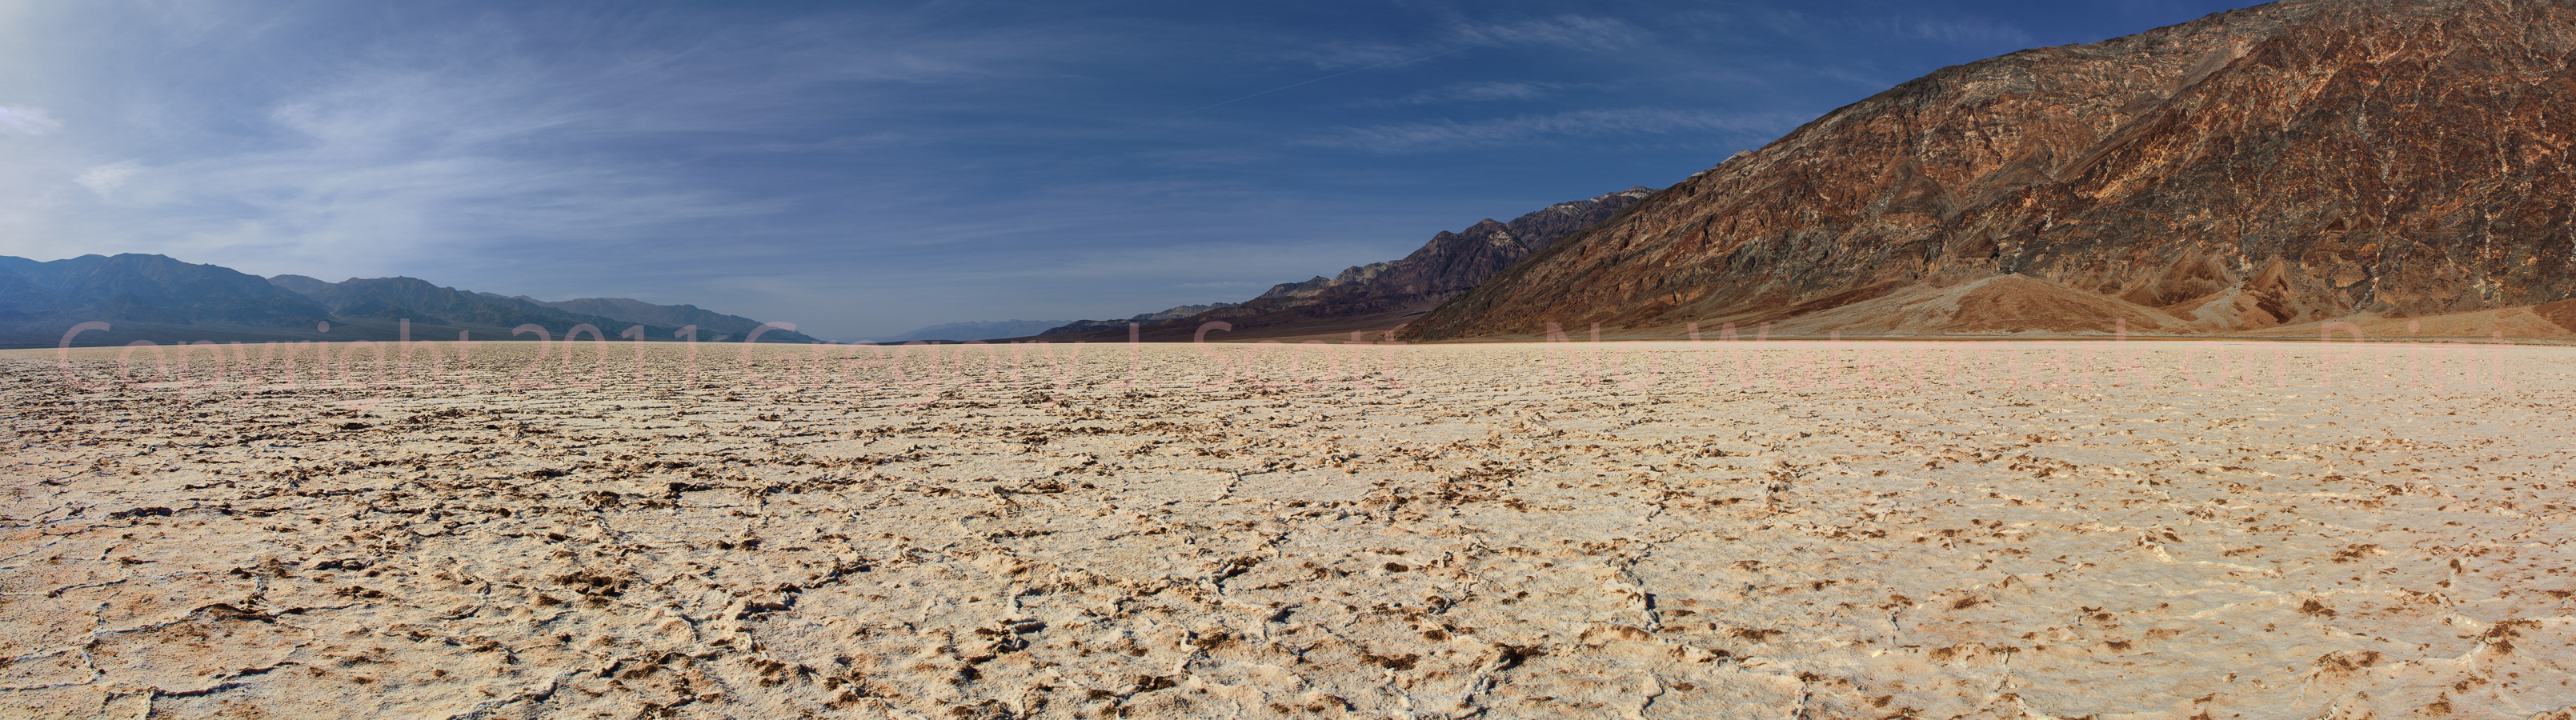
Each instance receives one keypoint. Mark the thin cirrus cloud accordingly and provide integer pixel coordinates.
(1475, 92)
(1491, 91)
(1574, 32)
(1572, 126)
(1954, 31)
(105, 179)
(1564, 32)
(393, 170)
(432, 151)
(27, 121)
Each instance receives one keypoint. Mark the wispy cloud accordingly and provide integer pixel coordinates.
(1474, 92)
(474, 144)
(1979, 32)
(1448, 135)
(1566, 32)
(1574, 32)
(1480, 92)
(27, 121)
(105, 179)
(1811, 25)
(392, 166)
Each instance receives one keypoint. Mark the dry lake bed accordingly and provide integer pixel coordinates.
(1722, 530)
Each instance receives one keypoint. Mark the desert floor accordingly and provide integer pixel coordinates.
(1861, 530)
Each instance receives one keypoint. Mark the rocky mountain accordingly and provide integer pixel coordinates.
(1380, 296)
(975, 330)
(152, 288)
(710, 323)
(21, 299)
(157, 298)
(142, 294)
(2254, 170)
(398, 298)
(1120, 326)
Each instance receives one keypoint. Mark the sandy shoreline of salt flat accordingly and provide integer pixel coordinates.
(1857, 530)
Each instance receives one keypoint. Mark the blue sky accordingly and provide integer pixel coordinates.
(863, 169)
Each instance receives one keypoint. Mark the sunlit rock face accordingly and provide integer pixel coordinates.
(2277, 165)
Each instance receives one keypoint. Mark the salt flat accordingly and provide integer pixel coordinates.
(1821, 530)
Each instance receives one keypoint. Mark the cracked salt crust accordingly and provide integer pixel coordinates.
(1447, 536)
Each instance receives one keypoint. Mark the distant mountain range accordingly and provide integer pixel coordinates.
(1376, 296)
(153, 297)
(1094, 326)
(963, 331)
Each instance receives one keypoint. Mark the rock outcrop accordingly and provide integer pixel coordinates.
(2283, 164)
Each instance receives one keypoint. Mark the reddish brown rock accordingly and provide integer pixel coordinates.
(2276, 165)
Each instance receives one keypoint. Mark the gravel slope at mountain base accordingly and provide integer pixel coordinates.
(1842, 530)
